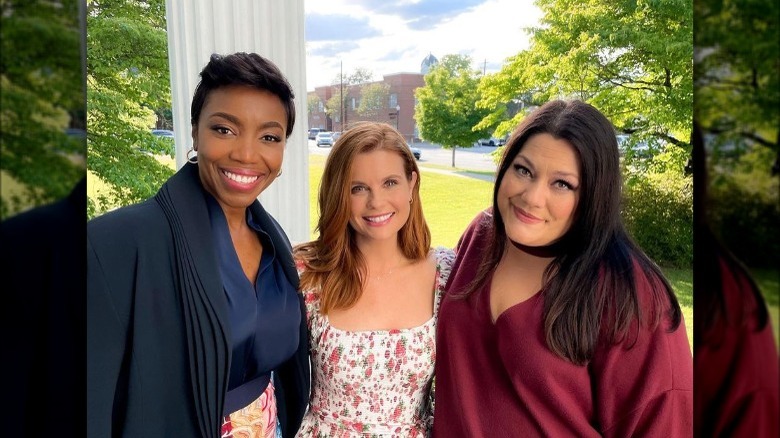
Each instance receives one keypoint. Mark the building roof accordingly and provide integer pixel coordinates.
(427, 63)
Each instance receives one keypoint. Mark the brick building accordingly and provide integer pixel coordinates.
(399, 106)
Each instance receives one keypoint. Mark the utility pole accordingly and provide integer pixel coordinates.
(341, 93)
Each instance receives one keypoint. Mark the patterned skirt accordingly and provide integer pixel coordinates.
(256, 420)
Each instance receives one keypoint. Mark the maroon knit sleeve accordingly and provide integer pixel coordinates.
(644, 384)
(737, 375)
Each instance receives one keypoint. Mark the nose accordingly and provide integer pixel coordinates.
(535, 194)
(244, 149)
(374, 199)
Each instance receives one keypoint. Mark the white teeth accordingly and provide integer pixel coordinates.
(243, 179)
(378, 219)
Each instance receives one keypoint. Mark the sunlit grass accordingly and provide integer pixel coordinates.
(768, 281)
(682, 283)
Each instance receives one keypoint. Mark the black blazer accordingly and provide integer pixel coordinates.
(158, 345)
(43, 320)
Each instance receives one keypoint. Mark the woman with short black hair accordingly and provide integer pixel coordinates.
(195, 325)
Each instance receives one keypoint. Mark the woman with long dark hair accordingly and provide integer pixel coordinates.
(555, 322)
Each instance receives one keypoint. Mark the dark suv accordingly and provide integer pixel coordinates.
(313, 133)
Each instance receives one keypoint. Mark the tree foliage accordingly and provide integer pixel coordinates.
(736, 71)
(42, 96)
(632, 59)
(446, 109)
(340, 89)
(738, 107)
(360, 75)
(658, 206)
(373, 99)
(127, 82)
(312, 103)
(334, 104)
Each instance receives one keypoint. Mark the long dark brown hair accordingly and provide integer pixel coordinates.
(590, 289)
(333, 261)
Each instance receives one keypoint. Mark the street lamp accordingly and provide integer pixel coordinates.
(397, 117)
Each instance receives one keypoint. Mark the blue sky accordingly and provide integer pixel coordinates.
(393, 37)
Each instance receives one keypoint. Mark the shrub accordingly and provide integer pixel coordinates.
(743, 208)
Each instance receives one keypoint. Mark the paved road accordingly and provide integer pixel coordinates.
(474, 158)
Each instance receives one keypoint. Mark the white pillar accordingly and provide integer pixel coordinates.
(271, 28)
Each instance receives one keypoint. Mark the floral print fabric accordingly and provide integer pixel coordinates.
(372, 383)
(256, 420)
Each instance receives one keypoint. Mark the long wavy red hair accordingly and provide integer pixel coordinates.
(333, 261)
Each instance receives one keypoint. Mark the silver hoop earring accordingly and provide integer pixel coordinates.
(192, 156)
(279, 174)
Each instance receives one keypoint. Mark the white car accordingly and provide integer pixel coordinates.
(492, 141)
(324, 138)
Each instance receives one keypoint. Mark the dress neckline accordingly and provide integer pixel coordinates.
(431, 320)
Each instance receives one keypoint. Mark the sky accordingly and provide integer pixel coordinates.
(388, 37)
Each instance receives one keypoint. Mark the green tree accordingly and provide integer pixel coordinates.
(373, 99)
(446, 109)
(312, 103)
(631, 59)
(658, 206)
(340, 90)
(736, 72)
(333, 106)
(127, 81)
(360, 75)
(42, 96)
(738, 107)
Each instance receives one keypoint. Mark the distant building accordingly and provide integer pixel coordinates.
(427, 63)
(401, 88)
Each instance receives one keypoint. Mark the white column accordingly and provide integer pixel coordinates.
(271, 28)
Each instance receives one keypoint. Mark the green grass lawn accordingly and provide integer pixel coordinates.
(768, 281)
(682, 283)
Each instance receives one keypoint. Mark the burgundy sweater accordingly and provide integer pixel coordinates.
(501, 380)
(737, 387)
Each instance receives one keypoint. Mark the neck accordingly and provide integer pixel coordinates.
(381, 257)
(236, 218)
(532, 257)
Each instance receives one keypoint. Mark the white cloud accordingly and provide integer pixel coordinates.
(489, 33)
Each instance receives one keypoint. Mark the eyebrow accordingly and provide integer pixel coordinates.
(556, 173)
(233, 119)
(357, 181)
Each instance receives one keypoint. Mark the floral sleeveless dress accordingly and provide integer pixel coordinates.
(372, 383)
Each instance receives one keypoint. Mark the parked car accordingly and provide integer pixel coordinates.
(324, 138)
(492, 141)
(416, 152)
(163, 133)
(336, 136)
(313, 133)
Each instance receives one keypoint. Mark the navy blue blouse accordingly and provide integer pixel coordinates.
(264, 317)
